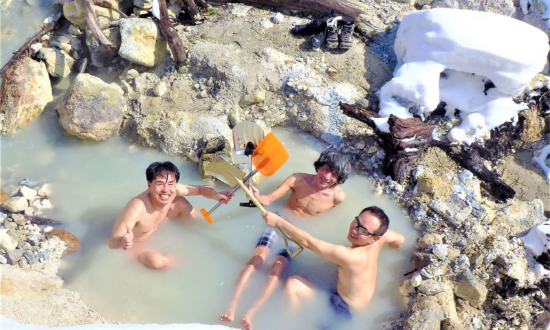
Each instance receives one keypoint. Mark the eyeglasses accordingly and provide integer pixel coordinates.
(362, 230)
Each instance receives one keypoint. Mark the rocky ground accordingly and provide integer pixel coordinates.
(30, 253)
(471, 268)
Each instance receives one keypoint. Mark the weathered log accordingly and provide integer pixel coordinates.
(470, 159)
(45, 29)
(407, 140)
(191, 9)
(365, 21)
(109, 25)
(107, 4)
(91, 21)
(180, 57)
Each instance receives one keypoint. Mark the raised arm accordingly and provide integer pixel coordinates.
(205, 191)
(277, 193)
(337, 254)
(393, 239)
(122, 235)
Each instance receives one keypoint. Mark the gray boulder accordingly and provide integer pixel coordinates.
(91, 109)
(58, 62)
(469, 288)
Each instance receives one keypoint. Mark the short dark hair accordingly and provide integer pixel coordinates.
(336, 161)
(381, 216)
(163, 169)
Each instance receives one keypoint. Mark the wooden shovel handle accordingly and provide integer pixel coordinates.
(285, 237)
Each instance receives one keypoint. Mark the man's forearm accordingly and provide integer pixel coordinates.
(115, 243)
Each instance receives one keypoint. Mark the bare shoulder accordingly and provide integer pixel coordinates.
(136, 205)
(339, 195)
(393, 239)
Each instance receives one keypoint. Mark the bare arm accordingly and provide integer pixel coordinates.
(339, 198)
(393, 239)
(122, 235)
(205, 191)
(337, 254)
(277, 193)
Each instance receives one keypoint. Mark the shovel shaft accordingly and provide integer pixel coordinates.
(232, 191)
(285, 237)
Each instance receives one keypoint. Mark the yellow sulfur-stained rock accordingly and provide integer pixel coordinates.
(26, 90)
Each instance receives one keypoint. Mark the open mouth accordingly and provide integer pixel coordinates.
(164, 197)
(352, 236)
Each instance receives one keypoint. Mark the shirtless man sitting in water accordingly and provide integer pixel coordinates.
(310, 195)
(162, 200)
(357, 264)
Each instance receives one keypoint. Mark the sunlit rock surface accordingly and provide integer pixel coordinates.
(91, 109)
(26, 91)
(142, 42)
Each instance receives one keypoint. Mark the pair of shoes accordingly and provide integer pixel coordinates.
(316, 26)
(339, 33)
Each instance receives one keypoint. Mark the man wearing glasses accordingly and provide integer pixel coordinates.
(357, 264)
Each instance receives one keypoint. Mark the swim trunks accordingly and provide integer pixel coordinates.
(341, 313)
(340, 307)
(268, 239)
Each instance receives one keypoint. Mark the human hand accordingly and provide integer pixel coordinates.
(127, 239)
(224, 197)
(270, 218)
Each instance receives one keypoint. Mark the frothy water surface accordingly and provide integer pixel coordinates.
(93, 181)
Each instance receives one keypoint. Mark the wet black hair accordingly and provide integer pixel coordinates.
(381, 216)
(163, 169)
(336, 161)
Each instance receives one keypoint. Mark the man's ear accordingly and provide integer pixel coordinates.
(148, 184)
(375, 239)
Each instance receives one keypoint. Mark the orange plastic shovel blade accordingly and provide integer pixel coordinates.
(269, 155)
(207, 216)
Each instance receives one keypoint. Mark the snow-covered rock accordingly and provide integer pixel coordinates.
(442, 56)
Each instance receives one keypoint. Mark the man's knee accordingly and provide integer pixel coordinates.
(293, 283)
(260, 254)
(153, 260)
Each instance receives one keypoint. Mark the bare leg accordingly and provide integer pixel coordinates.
(297, 290)
(260, 253)
(269, 286)
(153, 260)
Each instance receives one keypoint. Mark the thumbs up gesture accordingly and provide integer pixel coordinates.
(127, 239)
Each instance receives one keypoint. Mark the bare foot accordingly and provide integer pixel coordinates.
(246, 322)
(228, 316)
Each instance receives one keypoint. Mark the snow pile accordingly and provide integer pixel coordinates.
(536, 242)
(541, 160)
(9, 324)
(450, 55)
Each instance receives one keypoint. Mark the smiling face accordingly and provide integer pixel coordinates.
(357, 236)
(325, 177)
(162, 189)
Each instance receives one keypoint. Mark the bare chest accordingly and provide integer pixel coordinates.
(311, 202)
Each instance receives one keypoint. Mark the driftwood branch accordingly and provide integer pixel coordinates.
(174, 41)
(365, 21)
(409, 138)
(191, 9)
(83, 65)
(91, 21)
(45, 29)
(107, 4)
(109, 25)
